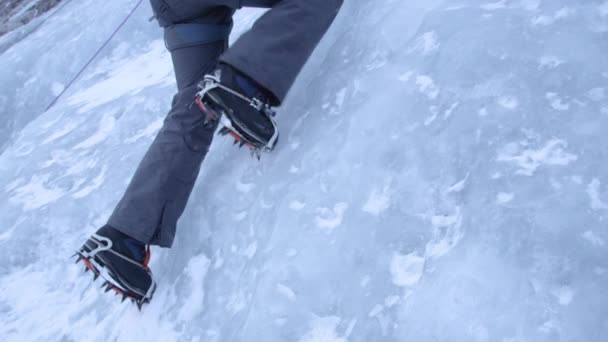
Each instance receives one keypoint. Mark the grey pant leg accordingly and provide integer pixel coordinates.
(272, 52)
(159, 190)
(275, 49)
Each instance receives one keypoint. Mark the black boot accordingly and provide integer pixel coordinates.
(229, 94)
(121, 261)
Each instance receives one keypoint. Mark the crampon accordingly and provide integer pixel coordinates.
(120, 274)
(216, 110)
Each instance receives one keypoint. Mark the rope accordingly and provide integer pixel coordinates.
(88, 63)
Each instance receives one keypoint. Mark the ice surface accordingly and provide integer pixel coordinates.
(441, 176)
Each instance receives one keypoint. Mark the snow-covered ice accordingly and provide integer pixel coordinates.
(442, 175)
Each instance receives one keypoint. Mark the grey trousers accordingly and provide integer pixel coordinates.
(272, 53)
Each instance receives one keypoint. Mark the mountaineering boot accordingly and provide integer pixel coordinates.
(242, 107)
(121, 261)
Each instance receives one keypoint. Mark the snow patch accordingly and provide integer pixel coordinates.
(106, 125)
(14, 184)
(564, 295)
(593, 238)
(250, 250)
(556, 102)
(493, 6)
(549, 62)
(67, 128)
(563, 12)
(406, 76)
(97, 182)
(244, 187)
(240, 216)
(508, 102)
(457, 187)
(427, 86)
(340, 97)
(236, 303)
(377, 309)
(406, 270)
(391, 301)
(196, 270)
(530, 5)
(448, 112)
(37, 193)
(377, 201)
(296, 205)
(427, 43)
(286, 292)
(5, 236)
(593, 191)
(127, 78)
(447, 234)
(549, 327)
(504, 198)
(323, 329)
(81, 166)
(331, 218)
(545, 20)
(434, 112)
(528, 160)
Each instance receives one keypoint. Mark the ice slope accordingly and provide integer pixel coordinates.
(16, 13)
(441, 176)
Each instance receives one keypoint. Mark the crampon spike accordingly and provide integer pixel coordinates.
(107, 285)
(223, 131)
(234, 135)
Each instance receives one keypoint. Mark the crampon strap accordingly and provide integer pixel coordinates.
(210, 82)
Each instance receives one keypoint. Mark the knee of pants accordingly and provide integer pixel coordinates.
(187, 120)
(198, 135)
(190, 64)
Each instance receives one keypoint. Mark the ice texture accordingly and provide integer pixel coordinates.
(442, 175)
